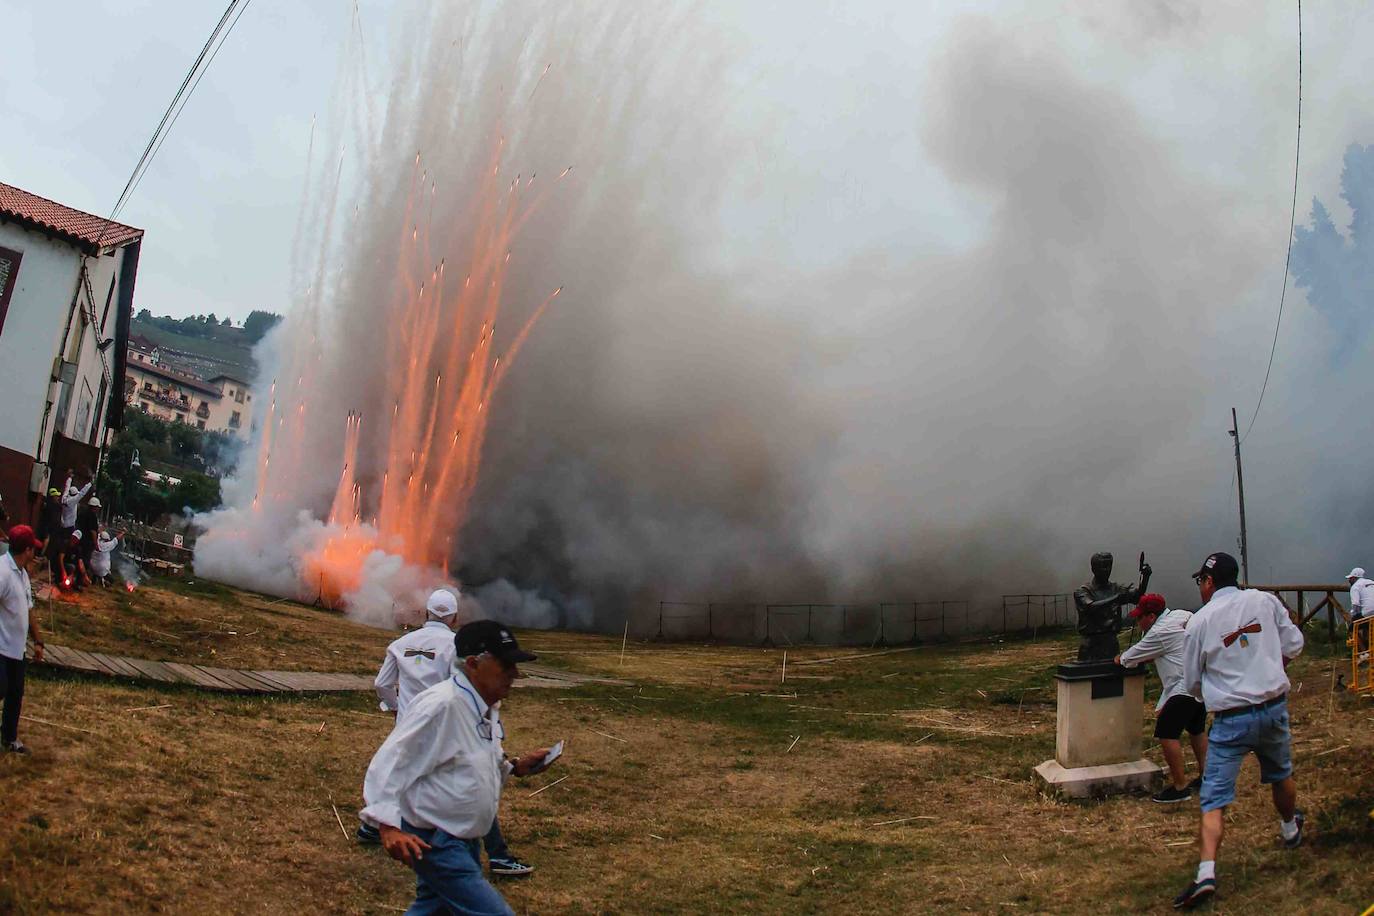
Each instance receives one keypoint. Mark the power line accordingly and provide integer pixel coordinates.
(190, 92)
(178, 101)
(1292, 221)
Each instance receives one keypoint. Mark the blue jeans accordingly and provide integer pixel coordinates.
(494, 842)
(449, 878)
(1261, 731)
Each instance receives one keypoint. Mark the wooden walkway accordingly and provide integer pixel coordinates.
(233, 680)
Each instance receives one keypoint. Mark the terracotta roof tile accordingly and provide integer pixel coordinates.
(50, 216)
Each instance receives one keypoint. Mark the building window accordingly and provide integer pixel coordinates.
(200, 424)
(181, 418)
(234, 420)
(9, 275)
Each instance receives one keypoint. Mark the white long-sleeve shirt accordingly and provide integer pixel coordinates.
(105, 543)
(1163, 645)
(16, 601)
(71, 500)
(1235, 646)
(442, 766)
(1362, 598)
(414, 663)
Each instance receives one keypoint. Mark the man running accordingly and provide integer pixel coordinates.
(433, 787)
(414, 663)
(1238, 645)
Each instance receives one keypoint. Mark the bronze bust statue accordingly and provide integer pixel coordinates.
(1099, 603)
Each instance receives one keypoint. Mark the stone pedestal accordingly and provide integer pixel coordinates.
(1097, 732)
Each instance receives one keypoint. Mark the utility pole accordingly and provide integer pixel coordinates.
(1240, 489)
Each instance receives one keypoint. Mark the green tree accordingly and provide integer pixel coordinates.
(258, 323)
(196, 491)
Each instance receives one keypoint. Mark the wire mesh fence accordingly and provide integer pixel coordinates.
(866, 623)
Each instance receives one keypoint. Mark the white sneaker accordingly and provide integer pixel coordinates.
(16, 747)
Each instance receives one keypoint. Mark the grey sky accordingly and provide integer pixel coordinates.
(836, 86)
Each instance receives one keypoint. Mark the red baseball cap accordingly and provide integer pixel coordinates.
(22, 538)
(1150, 605)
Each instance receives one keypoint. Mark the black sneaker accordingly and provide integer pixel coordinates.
(368, 835)
(1297, 837)
(509, 867)
(1195, 893)
(1171, 796)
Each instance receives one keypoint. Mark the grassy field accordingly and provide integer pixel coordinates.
(897, 782)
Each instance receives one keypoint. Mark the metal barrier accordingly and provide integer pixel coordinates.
(1037, 612)
(1361, 672)
(872, 623)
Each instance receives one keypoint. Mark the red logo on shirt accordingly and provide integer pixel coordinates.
(1252, 627)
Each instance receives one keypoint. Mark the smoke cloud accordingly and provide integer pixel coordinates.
(769, 379)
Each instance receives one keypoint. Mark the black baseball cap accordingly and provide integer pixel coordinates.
(1220, 566)
(492, 637)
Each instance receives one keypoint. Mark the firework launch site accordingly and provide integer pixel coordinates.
(690, 441)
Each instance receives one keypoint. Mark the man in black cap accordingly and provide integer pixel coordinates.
(1235, 653)
(434, 785)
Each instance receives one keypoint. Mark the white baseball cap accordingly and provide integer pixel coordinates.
(95, 502)
(1356, 573)
(442, 603)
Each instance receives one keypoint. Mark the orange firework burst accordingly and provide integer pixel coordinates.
(411, 496)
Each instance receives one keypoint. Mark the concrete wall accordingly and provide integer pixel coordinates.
(32, 336)
(32, 333)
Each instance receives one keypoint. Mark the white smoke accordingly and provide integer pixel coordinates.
(1024, 349)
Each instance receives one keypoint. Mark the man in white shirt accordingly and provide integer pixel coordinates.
(421, 658)
(1237, 649)
(414, 663)
(1361, 597)
(17, 623)
(1162, 643)
(71, 500)
(433, 787)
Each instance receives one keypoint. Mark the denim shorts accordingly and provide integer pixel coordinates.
(1262, 731)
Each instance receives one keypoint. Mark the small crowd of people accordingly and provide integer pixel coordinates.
(432, 790)
(77, 550)
(76, 545)
(1229, 659)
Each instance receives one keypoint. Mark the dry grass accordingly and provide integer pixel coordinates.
(204, 623)
(709, 786)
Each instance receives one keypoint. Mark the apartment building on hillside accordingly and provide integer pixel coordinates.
(220, 404)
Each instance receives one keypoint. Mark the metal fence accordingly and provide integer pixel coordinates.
(1029, 613)
(871, 623)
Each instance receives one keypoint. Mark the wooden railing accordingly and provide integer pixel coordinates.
(1302, 615)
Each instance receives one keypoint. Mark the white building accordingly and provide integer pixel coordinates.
(66, 300)
(221, 404)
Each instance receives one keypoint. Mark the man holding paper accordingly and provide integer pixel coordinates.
(433, 787)
(414, 663)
